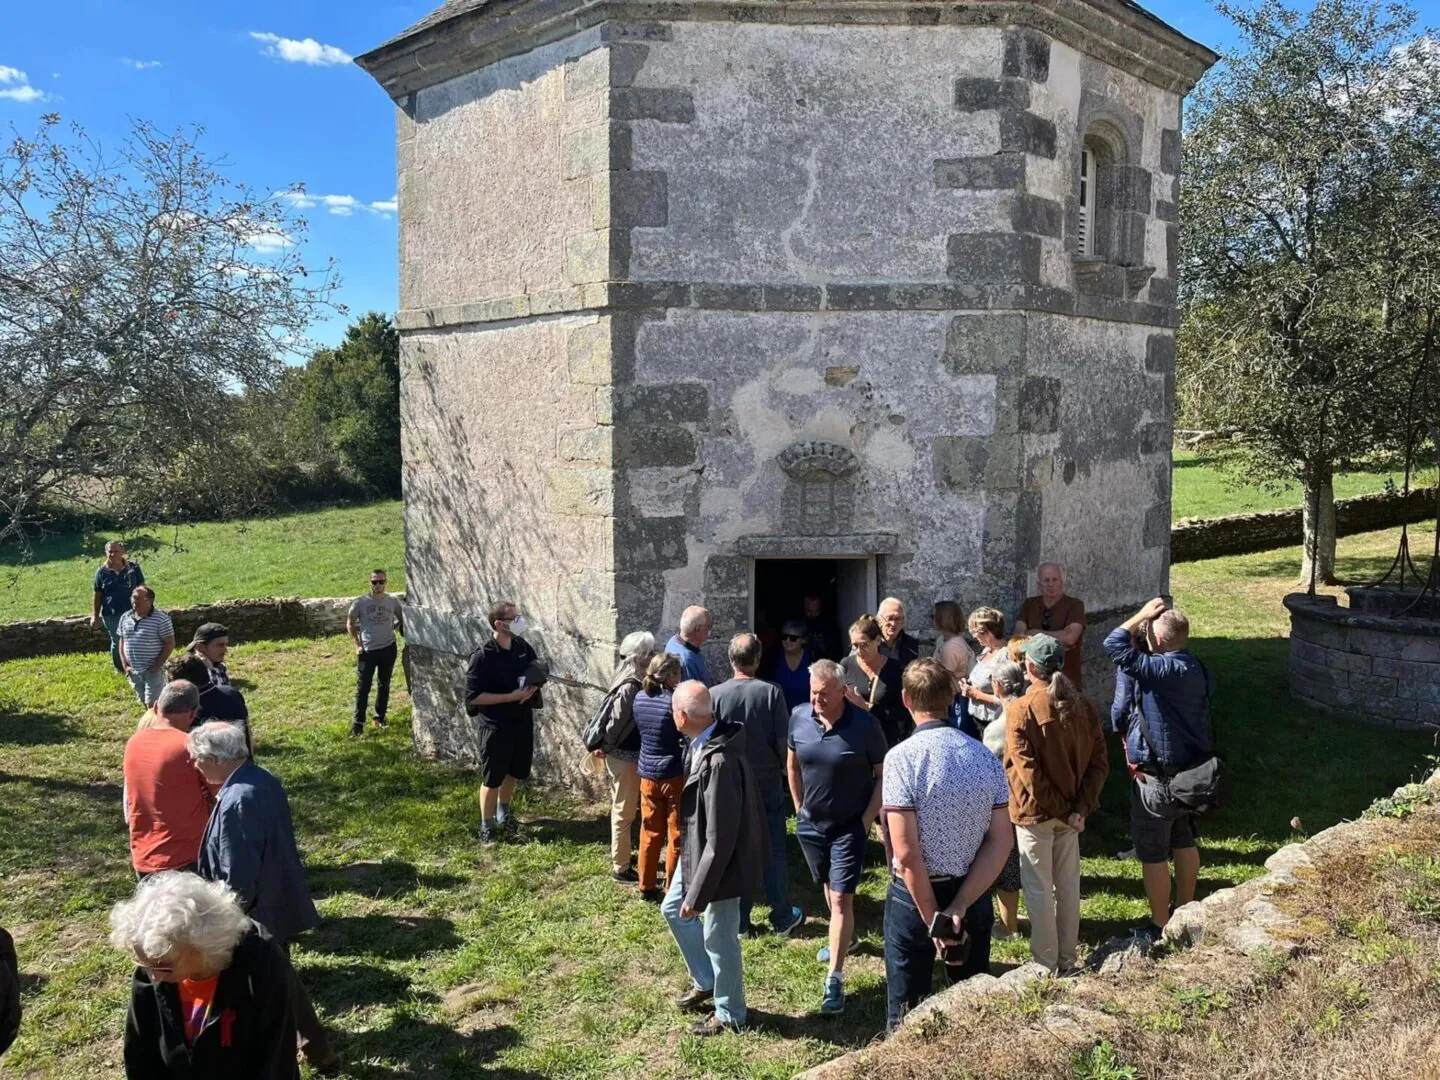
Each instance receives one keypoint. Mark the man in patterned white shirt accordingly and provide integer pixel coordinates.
(945, 799)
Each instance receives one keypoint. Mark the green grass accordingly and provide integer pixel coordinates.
(438, 959)
(321, 553)
(1200, 488)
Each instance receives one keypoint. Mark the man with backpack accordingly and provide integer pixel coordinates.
(1168, 747)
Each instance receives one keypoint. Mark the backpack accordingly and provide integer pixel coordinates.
(593, 735)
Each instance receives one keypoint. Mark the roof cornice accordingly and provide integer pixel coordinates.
(466, 35)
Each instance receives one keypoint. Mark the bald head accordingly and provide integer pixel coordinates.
(1051, 579)
(691, 706)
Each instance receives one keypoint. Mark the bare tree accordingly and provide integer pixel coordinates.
(139, 290)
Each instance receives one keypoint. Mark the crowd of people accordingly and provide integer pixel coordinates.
(976, 768)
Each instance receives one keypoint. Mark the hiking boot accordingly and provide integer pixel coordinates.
(797, 920)
(652, 896)
(834, 999)
(628, 876)
(510, 830)
(694, 1000)
(488, 836)
(1147, 932)
(713, 1026)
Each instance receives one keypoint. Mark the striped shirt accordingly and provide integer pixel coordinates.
(144, 638)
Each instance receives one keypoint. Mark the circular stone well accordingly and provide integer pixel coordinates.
(1363, 661)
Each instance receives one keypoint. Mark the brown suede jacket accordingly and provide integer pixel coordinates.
(1056, 765)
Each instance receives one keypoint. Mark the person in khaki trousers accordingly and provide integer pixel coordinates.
(619, 752)
(1056, 763)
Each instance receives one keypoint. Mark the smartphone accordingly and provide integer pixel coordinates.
(942, 928)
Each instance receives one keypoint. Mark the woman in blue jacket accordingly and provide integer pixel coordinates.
(662, 773)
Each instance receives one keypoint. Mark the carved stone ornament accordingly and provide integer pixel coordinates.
(815, 459)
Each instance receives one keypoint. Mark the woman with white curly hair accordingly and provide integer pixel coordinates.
(212, 995)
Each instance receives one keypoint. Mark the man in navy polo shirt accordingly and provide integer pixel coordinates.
(834, 767)
(116, 579)
(694, 632)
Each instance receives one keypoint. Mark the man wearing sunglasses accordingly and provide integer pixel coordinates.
(1060, 616)
(373, 621)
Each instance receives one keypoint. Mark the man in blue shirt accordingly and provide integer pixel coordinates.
(834, 767)
(1171, 688)
(116, 579)
(694, 630)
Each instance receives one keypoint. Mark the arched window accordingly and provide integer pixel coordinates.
(1085, 231)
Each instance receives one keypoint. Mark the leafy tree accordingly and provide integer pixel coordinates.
(1310, 215)
(348, 404)
(139, 290)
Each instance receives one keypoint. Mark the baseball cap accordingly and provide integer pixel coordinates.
(1045, 653)
(208, 632)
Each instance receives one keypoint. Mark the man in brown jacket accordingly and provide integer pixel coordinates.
(722, 859)
(1056, 764)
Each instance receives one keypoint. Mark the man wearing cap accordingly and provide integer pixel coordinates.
(1056, 764)
(944, 799)
(501, 693)
(373, 621)
(115, 580)
(218, 701)
(1060, 616)
(211, 644)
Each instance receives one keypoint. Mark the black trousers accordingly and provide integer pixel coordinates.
(910, 951)
(367, 664)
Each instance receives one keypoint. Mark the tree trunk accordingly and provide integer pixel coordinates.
(1318, 565)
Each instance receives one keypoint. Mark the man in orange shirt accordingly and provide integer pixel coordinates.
(166, 800)
(1058, 614)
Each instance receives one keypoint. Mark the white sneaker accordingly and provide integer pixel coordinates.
(1128, 855)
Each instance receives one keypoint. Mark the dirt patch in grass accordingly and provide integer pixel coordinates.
(1359, 1000)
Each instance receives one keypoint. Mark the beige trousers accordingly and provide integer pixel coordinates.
(624, 802)
(1050, 876)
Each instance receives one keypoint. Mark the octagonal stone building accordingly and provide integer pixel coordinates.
(728, 301)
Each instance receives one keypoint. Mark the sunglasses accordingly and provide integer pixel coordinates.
(791, 637)
(1045, 621)
(377, 581)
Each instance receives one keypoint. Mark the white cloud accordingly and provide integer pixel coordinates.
(338, 205)
(139, 65)
(308, 51)
(386, 206)
(268, 241)
(15, 86)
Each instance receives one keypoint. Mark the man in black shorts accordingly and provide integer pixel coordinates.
(834, 768)
(1168, 731)
(496, 694)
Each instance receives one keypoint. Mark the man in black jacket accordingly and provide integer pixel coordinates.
(496, 694)
(721, 860)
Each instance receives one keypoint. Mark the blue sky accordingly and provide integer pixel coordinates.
(271, 85)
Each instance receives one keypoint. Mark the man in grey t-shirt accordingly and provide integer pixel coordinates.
(760, 707)
(373, 621)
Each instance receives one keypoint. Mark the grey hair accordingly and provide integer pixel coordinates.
(890, 601)
(692, 618)
(180, 696)
(218, 741)
(745, 651)
(178, 910)
(692, 697)
(1171, 628)
(637, 643)
(827, 671)
(1007, 678)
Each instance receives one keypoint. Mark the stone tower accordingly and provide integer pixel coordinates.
(701, 300)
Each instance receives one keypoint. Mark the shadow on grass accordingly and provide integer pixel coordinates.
(430, 1049)
(393, 937)
(581, 829)
(36, 728)
(862, 1022)
(338, 989)
(378, 880)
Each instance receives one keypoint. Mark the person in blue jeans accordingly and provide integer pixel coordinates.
(946, 802)
(115, 580)
(720, 861)
(759, 707)
(834, 768)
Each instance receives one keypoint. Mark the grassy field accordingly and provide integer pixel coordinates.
(322, 553)
(1201, 489)
(438, 959)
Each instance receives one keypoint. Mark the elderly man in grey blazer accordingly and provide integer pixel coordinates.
(249, 844)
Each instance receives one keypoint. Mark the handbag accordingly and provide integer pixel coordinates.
(1197, 790)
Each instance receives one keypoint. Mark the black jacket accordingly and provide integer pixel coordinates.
(9, 992)
(723, 826)
(251, 1035)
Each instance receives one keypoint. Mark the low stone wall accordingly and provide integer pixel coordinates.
(1237, 534)
(1362, 665)
(270, 618)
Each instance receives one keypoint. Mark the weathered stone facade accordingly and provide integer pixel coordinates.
(688, 285)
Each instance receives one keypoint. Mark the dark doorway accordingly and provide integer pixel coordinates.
(843, 587)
